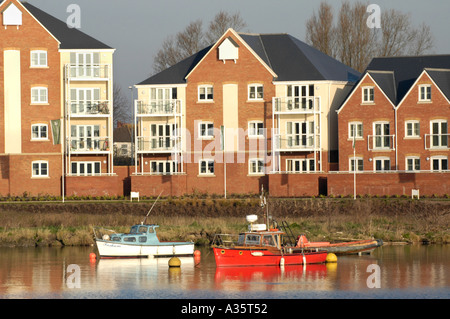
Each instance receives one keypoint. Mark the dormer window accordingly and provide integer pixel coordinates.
(12, 16)
(228, 50)
(425, 93)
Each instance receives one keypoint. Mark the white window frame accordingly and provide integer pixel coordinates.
(166, 140)
(40, 132)
(382, 136)
(300, 97)
(425, 93)
(305, 136)
(207, 165)
(253, 94)
(355, 127)
(36, 57)
(440, 135)
(359, 166)
(440, 159)
(41, 166)
(256, 129)
(415, 160)
(368, 94)
(208, 130)
(163, 167)
(383, 159)
(415, 129)
(205, 94)
(303, 165)
(256, 166)
(38, 92)
(86, 165)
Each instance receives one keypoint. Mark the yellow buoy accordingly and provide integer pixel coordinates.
(331, 258)
(174, 262)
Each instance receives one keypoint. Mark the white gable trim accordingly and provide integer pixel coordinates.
(415, 84)
(243, 42)
(11, 15)
(357, 87)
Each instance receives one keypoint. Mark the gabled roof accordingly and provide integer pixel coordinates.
(287, 57)
(386, 81)
(442, 79)
(70, 38)
(408, 69)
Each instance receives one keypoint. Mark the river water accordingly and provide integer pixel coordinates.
(406, 271)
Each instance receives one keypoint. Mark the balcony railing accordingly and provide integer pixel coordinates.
(164, 144)
(88, 71)
(89, 144)
(296, 143)
(437, 141)
(158, 107)
(84, 108)
(296, 104)
(380, 142)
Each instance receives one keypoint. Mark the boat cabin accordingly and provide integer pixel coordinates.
(139, 234)
(261, 239)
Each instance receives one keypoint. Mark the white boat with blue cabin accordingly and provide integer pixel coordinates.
(141, 241)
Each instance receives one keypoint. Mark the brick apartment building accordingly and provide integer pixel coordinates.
(397, 118)
(249, 110)
(55, 106)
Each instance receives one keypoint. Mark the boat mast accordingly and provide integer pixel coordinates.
(263, 204)
(143, 222)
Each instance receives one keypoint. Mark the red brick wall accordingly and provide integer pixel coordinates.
(295, 185)
(93, 185)
(389, 183)
(355, 110)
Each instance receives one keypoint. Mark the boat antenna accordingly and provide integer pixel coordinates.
(264, 204)
(143, 222)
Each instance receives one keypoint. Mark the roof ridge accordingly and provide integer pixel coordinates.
(265, 52)
(437, 69)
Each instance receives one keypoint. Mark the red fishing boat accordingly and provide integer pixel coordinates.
(261, 247)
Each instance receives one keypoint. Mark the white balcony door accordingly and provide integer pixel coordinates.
(85, 137)
(381, 135)
(439, 131)
(300, 134)
(301, 97)
(86, 64)
(83, 100)
(160, 99)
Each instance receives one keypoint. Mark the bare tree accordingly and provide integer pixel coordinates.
(121, 107)
(353, 43)
(193, 38)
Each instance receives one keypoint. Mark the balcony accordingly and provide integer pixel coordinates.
(89, 145)
(166, 144)
(296, 105)
(381, 143)
(436, 141)
(89, 108)
(88, 72)
(303, 143)
(158, 108)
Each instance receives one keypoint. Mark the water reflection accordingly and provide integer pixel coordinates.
(43, 272)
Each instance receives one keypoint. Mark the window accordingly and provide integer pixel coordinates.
(382, 139)
(255, 129)
(206, 167)
(86, 168)
(39, 132)
(300, 165)
(252, 239)
(39, 169)
(412, 129)
(85, 101)
(300, 97)
(255, 92)
(205, 93)
(206, 130)
(162, 136)
(439, 134)
(300, 134)
(163, 167)
(355, 130)
(39, 95)
(359, 164)
(425, 93)
(86, 64)
(413, 163)
(439, 163)
(256, 166)
(38, 59)
(86, 138)
(368, 94)
(382, 164)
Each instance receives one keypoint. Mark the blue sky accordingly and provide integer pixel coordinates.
(137, 28)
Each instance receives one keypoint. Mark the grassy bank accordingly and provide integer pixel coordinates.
(49, 223)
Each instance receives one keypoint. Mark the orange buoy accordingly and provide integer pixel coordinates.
(197, 253)
(92, 256)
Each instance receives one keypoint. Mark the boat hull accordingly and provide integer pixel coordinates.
(108, 249)
(238, 257)
(347, 248)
